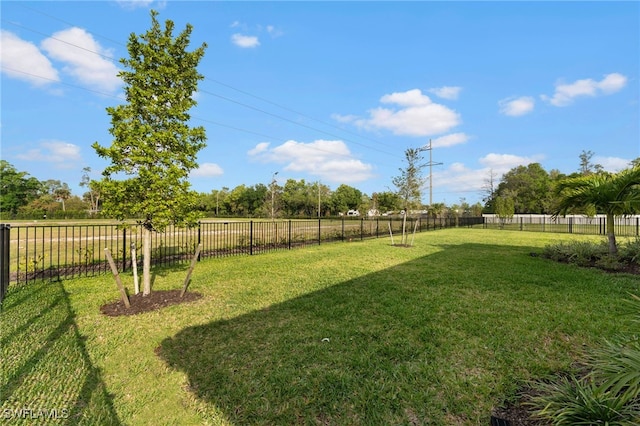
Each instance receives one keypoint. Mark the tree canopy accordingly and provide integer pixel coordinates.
(410, 181)
(154, 148)
(17, 189)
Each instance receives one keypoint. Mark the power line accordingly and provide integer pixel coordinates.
(295, 112)
(289, 120)
(69, 23)
(60, 82)
(244, 92)
(229, 99)
(60, 40)
(194, 117)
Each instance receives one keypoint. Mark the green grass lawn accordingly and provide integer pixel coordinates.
(343, 333)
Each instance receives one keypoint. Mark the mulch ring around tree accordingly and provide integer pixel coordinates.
(157, 299)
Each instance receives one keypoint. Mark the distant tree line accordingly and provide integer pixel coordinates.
(532, 190)
(523, 189)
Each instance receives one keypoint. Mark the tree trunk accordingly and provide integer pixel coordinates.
(613, 248)
(146, 262)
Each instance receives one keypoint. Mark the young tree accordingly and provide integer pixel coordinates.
(505, 208)
(154, 148)
(612, 194)
(410, 183)
(92, 195)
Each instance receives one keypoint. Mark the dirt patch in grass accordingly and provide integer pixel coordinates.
(156, 300)
(517, 414)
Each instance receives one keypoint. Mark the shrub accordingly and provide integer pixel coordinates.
(573, 401)
(609, 394)
(609, 262)
(582, 253)
(630, 251)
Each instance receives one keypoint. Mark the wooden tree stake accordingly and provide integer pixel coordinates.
(391, 234)
(414, 232)
(193, 265)
(114, 269)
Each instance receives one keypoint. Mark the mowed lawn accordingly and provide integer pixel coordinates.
(358, 333)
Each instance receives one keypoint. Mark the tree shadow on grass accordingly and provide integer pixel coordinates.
(429, 341)
(47, 372)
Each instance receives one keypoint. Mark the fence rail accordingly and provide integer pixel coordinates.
(624, 226)
(54, 252)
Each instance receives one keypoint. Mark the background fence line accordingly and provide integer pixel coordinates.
(625, 226)
(54, 252)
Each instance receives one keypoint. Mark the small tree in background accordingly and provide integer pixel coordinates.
(154, 148)
(505, 208)
(410, 184)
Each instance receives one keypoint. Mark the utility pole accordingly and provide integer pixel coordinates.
(318, 199)
(430, 164)
(273, 189)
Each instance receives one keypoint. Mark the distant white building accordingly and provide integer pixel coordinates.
(353, 213)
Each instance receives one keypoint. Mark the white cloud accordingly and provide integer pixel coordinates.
(260, 148)
(612, 83)
(505, 162)
(77, 49)
(449, 140)
(61, 154)
(460, 178)
(417, 115)
(24, 61)
(516, 107)
(207, 170)
(446, 92)
(274, 32)
(566, 93)
(612, 164)
(344, 118)
(245, 41)
(331, 161)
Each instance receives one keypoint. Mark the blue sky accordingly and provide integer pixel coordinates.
(337, 91)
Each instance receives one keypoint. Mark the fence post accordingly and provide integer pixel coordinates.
(571, 225)
(124, 249)
(319, 230)
(361, 229)
(521, 223)
(289, 234)
(250, 237)
(199, 238)
(343, 229)
(5, 232)
(637, 226)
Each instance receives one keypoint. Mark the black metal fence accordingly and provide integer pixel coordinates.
(56, 252)
(624, 226)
